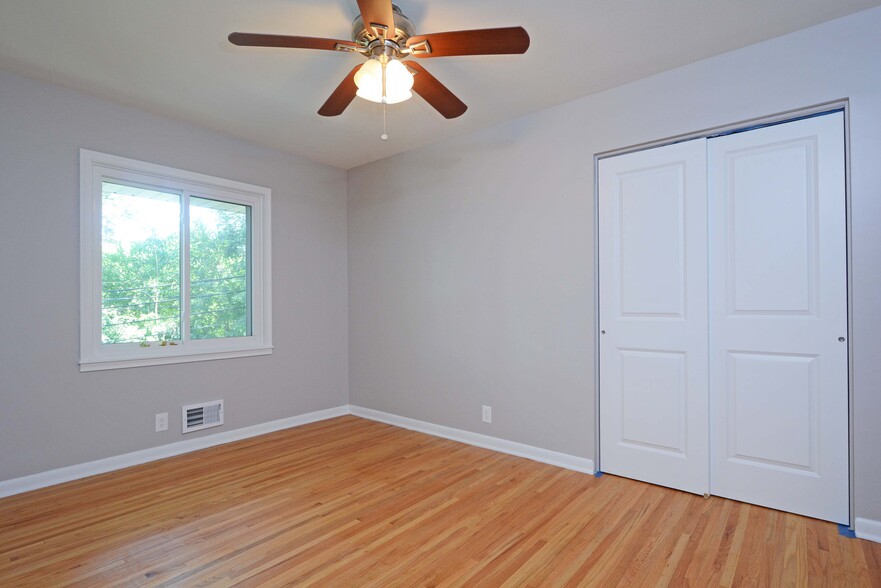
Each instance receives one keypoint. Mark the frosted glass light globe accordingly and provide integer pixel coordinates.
(398, 82)
(369, 81)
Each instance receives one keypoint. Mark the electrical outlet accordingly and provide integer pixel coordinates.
(162, 421)
(487, 414)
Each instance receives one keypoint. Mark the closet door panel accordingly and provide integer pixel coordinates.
(653, 312)
(778, 305)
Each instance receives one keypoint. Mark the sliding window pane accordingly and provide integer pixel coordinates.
(220, 257)
(140, 265)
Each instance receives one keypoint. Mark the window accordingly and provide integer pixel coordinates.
(174, 265)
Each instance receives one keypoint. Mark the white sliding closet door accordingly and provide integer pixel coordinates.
(653, 312)
(778, 317)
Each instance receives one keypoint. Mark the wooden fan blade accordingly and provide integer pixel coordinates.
(378, 12)
(477, 42)
(342, 96)
(435, 93)
(292, 42)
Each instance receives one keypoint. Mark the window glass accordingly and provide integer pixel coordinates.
(219, 269)
(140, 265)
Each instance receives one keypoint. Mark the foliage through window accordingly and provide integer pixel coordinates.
(174, 265)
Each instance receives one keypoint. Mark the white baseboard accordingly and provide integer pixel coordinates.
(109, 464)
(868, 529)
(563, 460)
(118, 462)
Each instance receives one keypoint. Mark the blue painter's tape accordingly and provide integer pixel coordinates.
(598, 474)
(846, 531)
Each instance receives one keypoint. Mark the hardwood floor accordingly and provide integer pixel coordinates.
(350, 502)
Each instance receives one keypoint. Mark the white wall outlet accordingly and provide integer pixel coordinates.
(162, 421)
(487, 414)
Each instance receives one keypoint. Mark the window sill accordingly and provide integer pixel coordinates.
(94, 365)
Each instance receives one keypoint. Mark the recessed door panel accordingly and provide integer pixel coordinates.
(650, 211)
(653, 403)
(772, 410)
(771, 242)
(653, 311)
(778, 317)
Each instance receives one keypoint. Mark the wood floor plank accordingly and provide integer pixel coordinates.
(351, 502)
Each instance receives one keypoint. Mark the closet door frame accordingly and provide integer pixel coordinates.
(843, 106)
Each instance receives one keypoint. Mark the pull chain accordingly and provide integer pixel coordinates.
(384, 135)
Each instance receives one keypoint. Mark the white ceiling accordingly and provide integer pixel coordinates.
(171, 57)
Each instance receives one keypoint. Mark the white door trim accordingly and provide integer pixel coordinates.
(842, 105)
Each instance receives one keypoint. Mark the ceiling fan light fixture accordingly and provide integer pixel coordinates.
(398, 81)
(384, 35)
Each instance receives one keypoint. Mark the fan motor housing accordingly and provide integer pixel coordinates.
(404, 29)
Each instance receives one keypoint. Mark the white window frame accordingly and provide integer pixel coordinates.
(97, 167)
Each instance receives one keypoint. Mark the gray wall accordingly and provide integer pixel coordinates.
(51, 415)
(471, 262)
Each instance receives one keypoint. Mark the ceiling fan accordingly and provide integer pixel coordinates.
(386, 37)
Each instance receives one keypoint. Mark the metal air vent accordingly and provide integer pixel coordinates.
(202, 416)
